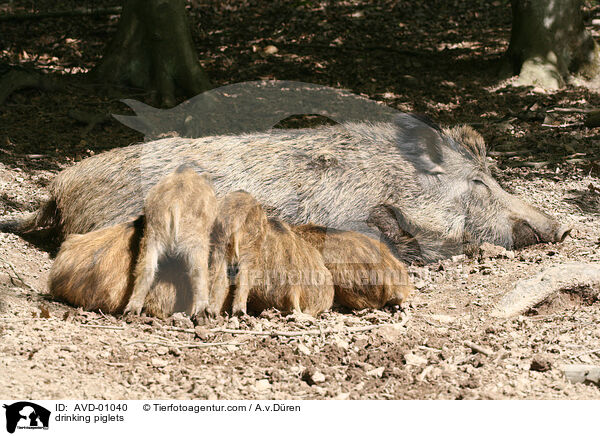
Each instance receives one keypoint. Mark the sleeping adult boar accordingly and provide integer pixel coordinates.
(427, 190)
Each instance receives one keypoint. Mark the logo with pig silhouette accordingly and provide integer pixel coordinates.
(25, 415)
(247, 107)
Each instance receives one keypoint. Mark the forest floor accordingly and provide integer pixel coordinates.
(438, 58)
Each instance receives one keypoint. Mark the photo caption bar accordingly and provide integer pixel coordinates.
(264, 417)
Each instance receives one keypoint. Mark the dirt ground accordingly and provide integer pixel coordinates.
(443, 63)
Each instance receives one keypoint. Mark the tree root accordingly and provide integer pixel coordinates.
(17, 79)
(60, 14)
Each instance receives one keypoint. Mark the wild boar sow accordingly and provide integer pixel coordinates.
(427, 190)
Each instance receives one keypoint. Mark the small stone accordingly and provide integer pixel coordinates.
(161, 351)
(303, 349)
(202, 333)
(181, 320)
(270, 314)
(301, 317)
(313, 377)
(69, 348)
(443, 318)
(270, 50)
(163, 379)
(420, 284)
(262, 385)
(365, 365)
(377, 372)
(341, 344)
(487, 250)
(158, 363)
(234, 323)
(342, 396)
(413, 359)
(391, 333)
(174, 351)
(540, 364)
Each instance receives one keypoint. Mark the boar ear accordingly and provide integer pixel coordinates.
(192, 164)
(470, 143)
(207, 176)
(390, 222)
(420, 143)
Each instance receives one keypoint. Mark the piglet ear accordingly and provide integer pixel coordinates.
(420, 143)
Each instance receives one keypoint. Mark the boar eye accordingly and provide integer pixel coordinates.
(479, 182)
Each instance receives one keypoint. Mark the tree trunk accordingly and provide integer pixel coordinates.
(549, 42)
(153, 50)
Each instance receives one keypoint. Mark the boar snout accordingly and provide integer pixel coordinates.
(538, 228)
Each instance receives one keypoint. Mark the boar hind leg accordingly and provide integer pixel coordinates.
(197, 264)
(219, 283)
(242, 290)
(145, 271)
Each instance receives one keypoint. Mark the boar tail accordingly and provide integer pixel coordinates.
(46, 216)
(236, 246)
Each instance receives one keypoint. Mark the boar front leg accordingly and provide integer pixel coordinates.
(242, 290)
(219, 284)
